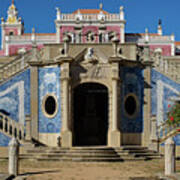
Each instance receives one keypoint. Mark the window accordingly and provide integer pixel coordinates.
(49, 105)
(11, 33)
(131, 105)
(90, 37)
(100, 38)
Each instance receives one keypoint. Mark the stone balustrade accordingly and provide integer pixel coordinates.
(169, 68)
(27, 39)
(13, 67)
(160, 38)
(89, 17)
(165, 131)
(11, 128)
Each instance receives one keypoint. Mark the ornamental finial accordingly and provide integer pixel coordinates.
(101, 6)
(33, 30)
(159, 22)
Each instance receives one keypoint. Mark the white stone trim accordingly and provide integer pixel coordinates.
(172, 49)
(6, 49)
(2, 40)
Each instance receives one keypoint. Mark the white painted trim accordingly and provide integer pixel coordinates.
(6, 48)
(172, 49)
(2, 40)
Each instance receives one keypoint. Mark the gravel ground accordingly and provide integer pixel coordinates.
(142, 170)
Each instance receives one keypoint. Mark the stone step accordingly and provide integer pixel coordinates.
(125, 153)
(146, 154)
(92, 159)
(86, 159)
(135, 151)
(131, 148)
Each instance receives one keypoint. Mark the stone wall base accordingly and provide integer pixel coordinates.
(66, 139)
(114, 139)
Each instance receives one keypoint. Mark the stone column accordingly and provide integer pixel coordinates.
(147, 107)
(170, 166)
(114, 137)
(66, 132)
(13, 157)
(34, 102)
(28, 128)
(1, 74)
(154, 145)
(114, 105)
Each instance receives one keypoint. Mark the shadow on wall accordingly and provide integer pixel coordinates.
(4, 112)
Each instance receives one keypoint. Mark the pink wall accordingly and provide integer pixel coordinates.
(166, 49)
(93, 29)
(13, 49)
(65, 29)
(8, 29)
(114, 29)
(86, 29)
(1, 52)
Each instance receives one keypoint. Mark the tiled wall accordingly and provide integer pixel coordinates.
(15, 96)
(49, 83)
(133, 82)
(15, 100)
(163, 89)
(4, 140)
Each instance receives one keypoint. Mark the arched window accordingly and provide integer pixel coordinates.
(111, 34)
(11, 33)
(69, 34)
(90, 37)
(80, 36)
(100, 37)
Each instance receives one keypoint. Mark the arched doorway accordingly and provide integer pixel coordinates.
(90, 114)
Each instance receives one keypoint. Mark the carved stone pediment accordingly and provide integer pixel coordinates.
(91, 55)
(90, 64)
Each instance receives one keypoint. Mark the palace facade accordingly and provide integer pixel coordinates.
(88, 84)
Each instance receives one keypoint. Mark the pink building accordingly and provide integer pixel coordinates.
(83, 26)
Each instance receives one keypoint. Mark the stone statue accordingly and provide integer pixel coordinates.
(89, 56)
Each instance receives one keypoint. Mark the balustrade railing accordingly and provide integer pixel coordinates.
(39, 38)
(11, 128)
(165, 131)
(168, 68)
(14, 67)
(88, 17)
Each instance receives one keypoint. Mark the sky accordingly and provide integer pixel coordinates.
(139, 14)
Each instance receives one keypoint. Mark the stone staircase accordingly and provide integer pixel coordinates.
(90, 154)
(11, 128)
(19, 64)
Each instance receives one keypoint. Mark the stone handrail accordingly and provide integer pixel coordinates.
(160, 38)
(165, 131)
(13, 67)
(11, 128)
(39, 39)
(169, 68)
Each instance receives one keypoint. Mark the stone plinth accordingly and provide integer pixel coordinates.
(169, 156)
(13, 157)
